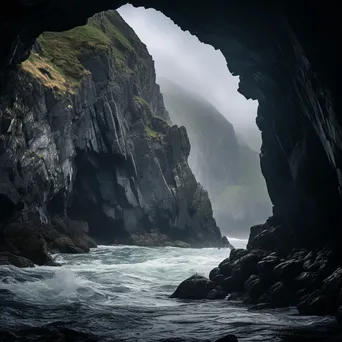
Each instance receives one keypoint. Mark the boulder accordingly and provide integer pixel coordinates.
(339, 315)
(316, 304)
(217, 293)
(279, 295)
(226, 267)
(15, 260)
(306, 280)
(266, 266)
(213, 273)
(254, 231)
(229, 285)
(219, 279)
(255, 287)
(195, 287)
(265, 240)
(63, 244)
(237, 254)
(332, 284)
(287, 270)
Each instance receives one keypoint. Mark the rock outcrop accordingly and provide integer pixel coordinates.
(87, 149)
(310, 280)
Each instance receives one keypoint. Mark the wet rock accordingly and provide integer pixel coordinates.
(264, 240)
(63, 244)
(229, 285)
(339, 315)
(237, 254)
(219, 279)
(306, 280)
(181, 244)
(237, 296)
(279, 295)
(316, 304)
(217, 293)
(214, 273)
(255, 287)
(266, 266)
(15, 260)
(27, 239)
(226, 267)
(287, 270)
(261, 306)
(195, 287)
(228, 338)
(332, 284)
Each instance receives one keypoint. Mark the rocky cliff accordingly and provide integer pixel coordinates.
(87, 148)
(226, 167)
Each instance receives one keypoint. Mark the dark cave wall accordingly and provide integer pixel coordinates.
(285, 55)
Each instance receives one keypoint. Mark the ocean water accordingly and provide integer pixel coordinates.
(121, 293)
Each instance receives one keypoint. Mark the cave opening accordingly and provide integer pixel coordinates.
(201, 95)
(53, 138)
(275, 50)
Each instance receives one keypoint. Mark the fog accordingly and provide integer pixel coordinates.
(201, 94)
(182, 58)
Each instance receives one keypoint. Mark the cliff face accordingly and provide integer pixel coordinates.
(227, 168)
(85, 137)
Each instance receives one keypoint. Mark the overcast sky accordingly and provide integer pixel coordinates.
(182, 58)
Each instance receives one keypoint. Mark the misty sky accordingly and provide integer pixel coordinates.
(182, 58)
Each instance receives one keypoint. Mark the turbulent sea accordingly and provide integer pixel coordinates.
(120, 293)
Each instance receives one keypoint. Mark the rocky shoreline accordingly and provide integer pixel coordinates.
(266, 276)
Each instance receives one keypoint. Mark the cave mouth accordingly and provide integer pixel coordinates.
(285, 59)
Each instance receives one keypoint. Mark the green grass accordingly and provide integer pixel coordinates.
(142, 101)
(65, 50)
(151, 133)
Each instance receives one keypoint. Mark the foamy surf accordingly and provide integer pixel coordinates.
(122, 292)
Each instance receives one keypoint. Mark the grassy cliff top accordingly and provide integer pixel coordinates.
(58, 65)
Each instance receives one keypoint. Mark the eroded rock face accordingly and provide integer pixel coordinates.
(87, 146)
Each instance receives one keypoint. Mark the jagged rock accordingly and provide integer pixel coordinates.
(15, 260)
(195, 287)
(93, 151)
